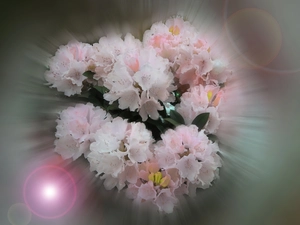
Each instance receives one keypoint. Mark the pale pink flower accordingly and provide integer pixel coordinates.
(110, 182)
(200, 99)
(107, 51)
(170, 38)
(139, 142)
(166, 201)
(161, 39)
(189, 167)
(121, 86)
(68, 147)
(76, 127)
(111, 164)
(155, 186)
(186, 149)
(149, 107)
(128, 177)
(146, 191)
(179, 42)
(67, 67)
(119, 146)
(138, 81)
(213, 121)
(108, 138)
(132, 191)
(192, 67)
(220, 71)
(206, 175)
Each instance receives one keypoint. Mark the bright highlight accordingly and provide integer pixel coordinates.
(50, 192)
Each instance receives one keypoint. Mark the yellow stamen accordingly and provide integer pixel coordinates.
(209, 95)
(164, 182)
(151, 177)
(174, 30)
(157, 177)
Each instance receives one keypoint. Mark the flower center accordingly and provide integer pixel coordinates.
(122, 147)
(174, 30)
(136, 85)
(209, 95)
(157, 179)
(185, 153)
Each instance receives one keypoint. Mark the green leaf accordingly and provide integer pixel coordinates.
(170, 120)
(176, 117)
(95, 101)
(212, 137)
(101, 89)
(163, 112)
(113, 106)
(154, 130)
(201, 120)
(88, 74)
(222, 85)
(158, 123)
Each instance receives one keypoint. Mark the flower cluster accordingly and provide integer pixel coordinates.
(67, 67)
(155, 110)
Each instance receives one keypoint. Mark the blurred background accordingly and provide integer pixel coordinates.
(259, 137)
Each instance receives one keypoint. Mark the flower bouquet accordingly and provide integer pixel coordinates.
(148, 126)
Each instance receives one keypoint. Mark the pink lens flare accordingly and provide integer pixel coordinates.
(50, 192)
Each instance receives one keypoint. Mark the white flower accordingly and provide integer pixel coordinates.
(110, 182)
(121, 86)
(220, 71)
(179, 42)
(140, 77)
(67, 67)
(68, 147)
(132, 191)
(149, 107)
(119, 146)
(213, 121)
(147, 191)
(193, 67)
(155, 186)
(189, 167)
(110, 164)
(166, 201)
(139, 141)
(170, 38)
(107, 51)
(109, 136)
(206, 175)
(200, 99)
(138, 80)
(186, 149)
(76, 128)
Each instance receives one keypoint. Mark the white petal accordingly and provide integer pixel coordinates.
(146, 191)
(110, 182)
(165, 201)
(189, 167)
